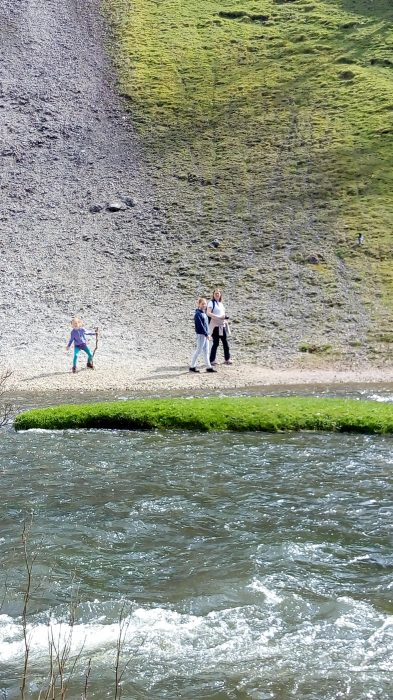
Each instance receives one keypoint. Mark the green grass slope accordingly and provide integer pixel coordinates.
(239, 414)
(269, 123)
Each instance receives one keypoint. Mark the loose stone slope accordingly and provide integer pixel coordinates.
(67, 148)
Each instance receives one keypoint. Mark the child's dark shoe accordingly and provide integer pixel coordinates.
(194, 369)
(211, 369)
(73, 370)
(90, 364)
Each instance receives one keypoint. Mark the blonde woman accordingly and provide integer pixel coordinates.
(218, 327)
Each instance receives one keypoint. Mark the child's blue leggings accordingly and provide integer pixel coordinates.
(76, 353)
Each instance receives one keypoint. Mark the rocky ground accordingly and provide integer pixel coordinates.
(81, 227)
(84, 229)
(159, 378)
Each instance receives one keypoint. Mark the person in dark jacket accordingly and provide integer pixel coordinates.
(202, 333)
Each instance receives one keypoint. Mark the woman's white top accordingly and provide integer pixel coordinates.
(218, 310)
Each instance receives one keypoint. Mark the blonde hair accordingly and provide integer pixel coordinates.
(202, 300)
(76, 321)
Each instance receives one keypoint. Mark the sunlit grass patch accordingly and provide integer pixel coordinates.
(237, 414)
(270, 113)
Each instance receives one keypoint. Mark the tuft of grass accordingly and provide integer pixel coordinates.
(314, 348)
(236, 414)
(385, 338)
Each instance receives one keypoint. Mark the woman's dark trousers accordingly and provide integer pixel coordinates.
(216, 340)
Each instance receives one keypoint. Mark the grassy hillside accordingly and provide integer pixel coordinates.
(270, 126)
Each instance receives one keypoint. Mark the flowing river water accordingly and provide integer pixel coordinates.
(201, 566)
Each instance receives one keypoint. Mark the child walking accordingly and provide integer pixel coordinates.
(202, 333)
(78, 337)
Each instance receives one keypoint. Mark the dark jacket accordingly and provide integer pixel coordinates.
(201, 323)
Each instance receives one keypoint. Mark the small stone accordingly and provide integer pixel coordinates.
(95, 208)
(115, 205)
(129, 201)
(215, 243)
(346, 75)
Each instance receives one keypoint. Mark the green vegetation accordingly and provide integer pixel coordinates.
(240, 414)
(270, 121)
(312, 348)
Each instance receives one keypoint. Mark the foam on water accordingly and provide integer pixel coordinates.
(256, 566)
(383, 398)
(349, 634)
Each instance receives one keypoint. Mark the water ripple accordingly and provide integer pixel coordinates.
(252, 566)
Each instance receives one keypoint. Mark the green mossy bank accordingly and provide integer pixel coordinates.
(269, 414)
(269, 123)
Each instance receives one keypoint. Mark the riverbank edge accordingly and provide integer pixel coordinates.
(142, 381)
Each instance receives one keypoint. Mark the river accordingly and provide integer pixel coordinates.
(244, 566)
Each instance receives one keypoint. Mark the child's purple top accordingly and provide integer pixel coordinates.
(78, 336)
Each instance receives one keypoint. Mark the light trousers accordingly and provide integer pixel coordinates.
(202, 348)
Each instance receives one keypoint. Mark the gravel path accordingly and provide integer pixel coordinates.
(163, 376)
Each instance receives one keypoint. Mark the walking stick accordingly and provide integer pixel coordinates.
(96, 345)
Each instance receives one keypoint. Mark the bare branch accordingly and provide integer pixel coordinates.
(6, 408)
(26, 599)
(4, 595)
(124, 623)
(87, 676)
(5, 374)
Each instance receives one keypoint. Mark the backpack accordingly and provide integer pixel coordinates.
(212, 309)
